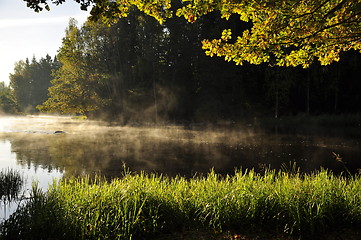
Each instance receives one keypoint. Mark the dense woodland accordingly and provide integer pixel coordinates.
(139, 70)
(30, 82)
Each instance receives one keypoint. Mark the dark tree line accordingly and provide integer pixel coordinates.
(30, 82)
(139, 70)
(7, 103)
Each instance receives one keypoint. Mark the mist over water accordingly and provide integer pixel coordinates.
(32, 145)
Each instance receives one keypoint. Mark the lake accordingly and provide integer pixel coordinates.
(30, 145)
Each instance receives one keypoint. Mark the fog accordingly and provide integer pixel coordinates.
(47, 148)
(72, 147)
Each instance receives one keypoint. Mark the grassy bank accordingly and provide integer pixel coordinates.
(141, 206)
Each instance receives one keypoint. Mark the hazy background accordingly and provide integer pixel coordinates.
(25, 33)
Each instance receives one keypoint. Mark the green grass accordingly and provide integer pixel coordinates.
(11, 183)
(146, 206)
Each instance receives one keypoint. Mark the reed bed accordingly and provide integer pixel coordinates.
(146, 206)
(11, 183)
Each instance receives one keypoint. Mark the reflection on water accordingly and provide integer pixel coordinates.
(89, 147)
(30, 172)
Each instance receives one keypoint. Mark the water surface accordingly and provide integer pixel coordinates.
(93, 147)
(31, 145)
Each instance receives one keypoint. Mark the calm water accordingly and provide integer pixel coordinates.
(89, 147)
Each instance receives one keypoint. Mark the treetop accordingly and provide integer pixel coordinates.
(282, 32)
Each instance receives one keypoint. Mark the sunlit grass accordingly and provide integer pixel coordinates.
(140, 206)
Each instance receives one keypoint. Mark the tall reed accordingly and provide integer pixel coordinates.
(11, 183)
(140, 206)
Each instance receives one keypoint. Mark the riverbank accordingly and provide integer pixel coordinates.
(247, 205)
(344, 125)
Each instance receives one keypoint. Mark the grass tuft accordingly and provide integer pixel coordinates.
(144, 206)
(11, 183)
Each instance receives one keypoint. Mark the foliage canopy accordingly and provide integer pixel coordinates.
(74, 88)
(282, 32)
(30, 81)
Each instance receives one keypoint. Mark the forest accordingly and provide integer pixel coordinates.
(138, 70)
(180, 62)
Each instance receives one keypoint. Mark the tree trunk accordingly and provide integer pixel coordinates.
(155, 94)
(308, 92)
(335, 107)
